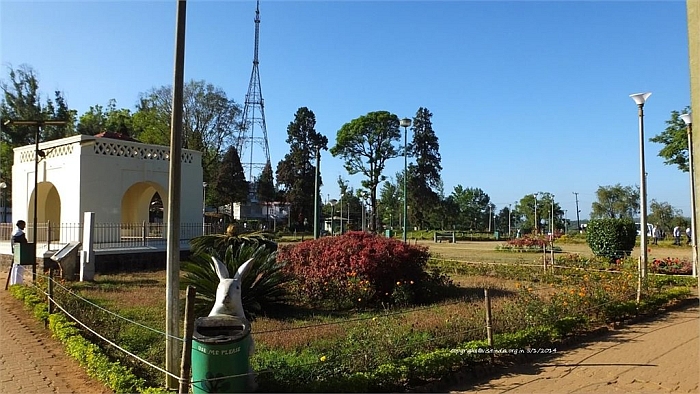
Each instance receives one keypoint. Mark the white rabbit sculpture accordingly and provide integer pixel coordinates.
(228, 300)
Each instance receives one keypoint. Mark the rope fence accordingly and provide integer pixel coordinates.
(53, 286)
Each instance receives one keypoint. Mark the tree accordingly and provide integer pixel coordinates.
(525, 210)
(615, 202)
(473, 206)
(365, 144)
(265, 187)
(296, 172)
(210, 120)
(21, 100)
(110, 119)
(663, 215)
(425, 174)
(231, 186)
(675, 141)
(390, 203)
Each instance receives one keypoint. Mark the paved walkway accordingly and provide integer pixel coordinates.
(31, 361)
(656, 356)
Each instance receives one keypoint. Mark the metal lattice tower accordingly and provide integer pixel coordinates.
(254, 115)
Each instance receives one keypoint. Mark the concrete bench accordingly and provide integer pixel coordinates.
(440, 236)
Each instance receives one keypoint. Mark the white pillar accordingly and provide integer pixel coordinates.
(87, 257)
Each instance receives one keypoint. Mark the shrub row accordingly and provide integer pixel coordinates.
(97, 365)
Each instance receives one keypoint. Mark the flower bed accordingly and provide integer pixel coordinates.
(674, 266)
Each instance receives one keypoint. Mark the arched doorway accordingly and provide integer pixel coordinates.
(48, 209)
(136, 202)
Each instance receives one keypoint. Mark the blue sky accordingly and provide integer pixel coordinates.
(526, 96)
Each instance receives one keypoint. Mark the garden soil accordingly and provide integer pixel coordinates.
(31, 361)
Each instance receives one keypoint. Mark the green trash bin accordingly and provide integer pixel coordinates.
(24, 254)
(220, 346)
(388, 233)
(496, 235)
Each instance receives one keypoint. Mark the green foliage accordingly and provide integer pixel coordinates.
(296, 172)
(424, 175)
(365, 144)
(210, 120)
(89, 356)
(665, 216)
(615, 202)
(98, 119)
(265, 186)
(675, 141)
(231, 185)
(263, 287)
(611, 238)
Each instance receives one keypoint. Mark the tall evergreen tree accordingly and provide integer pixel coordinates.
(231, 186)
(296, 172)
(424, 175)
(266, 188)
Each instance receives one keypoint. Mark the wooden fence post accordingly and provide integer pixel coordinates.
(49, 296)
(489, 330)
(185, 363)
(639, 281)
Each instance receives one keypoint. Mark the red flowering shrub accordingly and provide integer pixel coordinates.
(526, 243)
(356, 268)
(672, 266)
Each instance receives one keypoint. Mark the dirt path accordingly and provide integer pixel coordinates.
(659, 356)
(31, 361)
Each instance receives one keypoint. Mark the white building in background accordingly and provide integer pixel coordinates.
(115, 178)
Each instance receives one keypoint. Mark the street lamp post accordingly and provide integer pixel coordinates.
(37, 153)
(204, 208)
(688, 119)
(537, 227)
(333, 201)
(640, 99)
(405, 123)
(509, 215)
(316, 193)
(3, 186)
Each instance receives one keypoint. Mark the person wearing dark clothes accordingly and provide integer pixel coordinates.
(17, 272)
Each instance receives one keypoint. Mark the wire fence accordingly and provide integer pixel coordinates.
(78, 308)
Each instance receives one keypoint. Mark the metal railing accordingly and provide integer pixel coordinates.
(108, 235)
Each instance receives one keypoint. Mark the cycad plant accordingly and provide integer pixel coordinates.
(262, 287)
(217, 244)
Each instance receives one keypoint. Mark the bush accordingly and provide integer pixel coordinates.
(357, 268)
(672, 266)
(611, 238)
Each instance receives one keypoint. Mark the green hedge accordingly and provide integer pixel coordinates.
(611, 238)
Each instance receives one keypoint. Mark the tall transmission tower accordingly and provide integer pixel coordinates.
(254, 115)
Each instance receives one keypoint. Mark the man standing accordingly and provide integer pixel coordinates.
(17, 272)
(677, 235)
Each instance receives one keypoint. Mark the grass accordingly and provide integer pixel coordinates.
(361, 340)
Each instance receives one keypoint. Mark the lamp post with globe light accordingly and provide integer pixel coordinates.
(640, 99)
(688, 119)
(405, 123)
